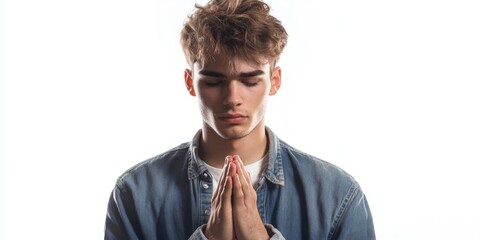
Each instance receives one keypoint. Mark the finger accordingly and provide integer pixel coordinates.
(244, 172)
(223, 176)
(233, 169)
(226, 196)
(228, 171)
(220, 181)
(243, 176)
(238, 194)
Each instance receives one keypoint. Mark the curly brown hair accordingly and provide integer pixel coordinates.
(242, 29)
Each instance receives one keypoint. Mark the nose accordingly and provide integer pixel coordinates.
(232, 94)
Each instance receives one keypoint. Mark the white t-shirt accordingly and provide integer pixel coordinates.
(255, 169)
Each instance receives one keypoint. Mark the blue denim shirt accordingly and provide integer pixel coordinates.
(298, 197)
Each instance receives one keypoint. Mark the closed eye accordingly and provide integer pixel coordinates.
(213, 83)
(250, 82)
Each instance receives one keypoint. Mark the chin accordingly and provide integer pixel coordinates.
(233, 133)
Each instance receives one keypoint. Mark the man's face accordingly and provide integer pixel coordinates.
(232, 101)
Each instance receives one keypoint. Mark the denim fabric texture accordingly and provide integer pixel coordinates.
(298, 197)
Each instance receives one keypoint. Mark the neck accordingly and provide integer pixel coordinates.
(250, 148)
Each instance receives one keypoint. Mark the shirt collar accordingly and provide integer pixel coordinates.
(273, 173)
(195, 166)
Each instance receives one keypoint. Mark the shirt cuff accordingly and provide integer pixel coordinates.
(198, 234)
(274, 233)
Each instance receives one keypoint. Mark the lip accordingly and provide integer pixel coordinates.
(232, 118)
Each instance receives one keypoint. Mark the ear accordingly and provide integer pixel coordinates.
(187, 75)
(276, 81)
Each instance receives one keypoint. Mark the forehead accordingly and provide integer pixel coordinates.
(230, 66)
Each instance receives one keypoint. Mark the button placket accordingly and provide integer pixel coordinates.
(206, 192)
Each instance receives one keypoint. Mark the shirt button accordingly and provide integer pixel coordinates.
(205, 186)
(206, 212)
(205, 175)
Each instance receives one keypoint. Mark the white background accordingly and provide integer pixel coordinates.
(387, 90)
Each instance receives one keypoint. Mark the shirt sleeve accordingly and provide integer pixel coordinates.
(272, 231)
(121, 222)
(355, 221)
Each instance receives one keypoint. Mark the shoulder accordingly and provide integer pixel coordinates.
(313, 168)
(169, 161)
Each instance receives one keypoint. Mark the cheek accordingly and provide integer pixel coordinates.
(205, 98)
(206, 102)
(259, 97)
(205, 111)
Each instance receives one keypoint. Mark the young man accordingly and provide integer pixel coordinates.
(236, 179)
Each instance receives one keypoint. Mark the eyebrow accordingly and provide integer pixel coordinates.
(209, 73)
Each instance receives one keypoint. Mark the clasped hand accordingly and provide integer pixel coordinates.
(234, 213)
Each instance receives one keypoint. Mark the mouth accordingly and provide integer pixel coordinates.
(233, 118)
